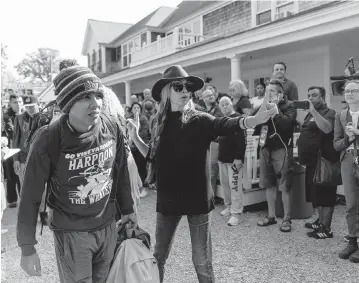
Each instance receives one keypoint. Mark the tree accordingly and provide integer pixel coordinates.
(3, 57)
(39, 65)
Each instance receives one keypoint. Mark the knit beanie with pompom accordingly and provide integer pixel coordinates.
(73, 83)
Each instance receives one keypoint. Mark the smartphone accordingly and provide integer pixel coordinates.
(301, 105)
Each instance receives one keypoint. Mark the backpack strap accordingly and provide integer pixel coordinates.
(54, 146)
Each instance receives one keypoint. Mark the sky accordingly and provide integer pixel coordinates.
(61, 24)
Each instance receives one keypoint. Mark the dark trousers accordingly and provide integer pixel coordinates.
(12, 180)
(85, 257)
(140, 163)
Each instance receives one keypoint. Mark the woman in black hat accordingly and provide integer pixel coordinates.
(179, 156)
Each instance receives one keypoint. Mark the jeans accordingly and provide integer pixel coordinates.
(232, 184)
(351, 191)
(12, 180)
(200, 230)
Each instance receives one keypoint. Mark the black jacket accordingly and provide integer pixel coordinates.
(284, 123)
(8, 122)
(182, 162)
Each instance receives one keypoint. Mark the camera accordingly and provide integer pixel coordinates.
(339, 81)
(301, 105)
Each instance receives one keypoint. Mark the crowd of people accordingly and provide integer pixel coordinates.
(93, 159)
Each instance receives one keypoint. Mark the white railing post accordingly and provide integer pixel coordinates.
(158, 43)
(175, 37)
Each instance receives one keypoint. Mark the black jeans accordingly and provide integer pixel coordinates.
(12, 180)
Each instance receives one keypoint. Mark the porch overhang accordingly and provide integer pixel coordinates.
(336, 18)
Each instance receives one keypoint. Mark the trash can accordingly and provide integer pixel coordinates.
(301, 209)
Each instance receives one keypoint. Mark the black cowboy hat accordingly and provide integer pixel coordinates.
(175, 73)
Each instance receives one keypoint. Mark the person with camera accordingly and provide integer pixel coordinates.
(317, 137)
(276, 155)
(346, 140)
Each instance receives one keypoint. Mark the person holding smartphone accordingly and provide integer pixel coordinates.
(346, 140)
(317, 136)
(276, 155)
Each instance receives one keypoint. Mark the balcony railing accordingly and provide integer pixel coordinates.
(164, 46)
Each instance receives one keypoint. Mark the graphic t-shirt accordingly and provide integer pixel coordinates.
(82, 179)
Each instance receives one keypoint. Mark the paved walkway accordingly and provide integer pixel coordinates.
(246, 253)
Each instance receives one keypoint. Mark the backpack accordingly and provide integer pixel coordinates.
(39, 120)
(133, 261)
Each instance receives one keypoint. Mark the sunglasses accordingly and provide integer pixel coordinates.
(178, 86)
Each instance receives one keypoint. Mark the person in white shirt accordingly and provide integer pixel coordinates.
(257, 100)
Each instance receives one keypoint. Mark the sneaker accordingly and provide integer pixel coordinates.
(233, 221)
(144, 193)
(320, 233)
(313, 225)
(226, 212)
(346, 238)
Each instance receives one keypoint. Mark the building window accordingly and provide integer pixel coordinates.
(143, 38)
(190, 32)
(265, 11)
(124, 54)
(284, 9)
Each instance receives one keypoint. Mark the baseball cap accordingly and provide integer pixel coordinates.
(30, 100)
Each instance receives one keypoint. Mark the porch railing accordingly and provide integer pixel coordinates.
(164, 46)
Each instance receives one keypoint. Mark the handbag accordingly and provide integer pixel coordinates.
(327, 173)
(356, 160)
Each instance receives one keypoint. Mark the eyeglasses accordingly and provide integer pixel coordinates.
(178, 86)
(351, 91)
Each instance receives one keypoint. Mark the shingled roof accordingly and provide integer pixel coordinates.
(161, 14)
(186, 8)
(104, 31)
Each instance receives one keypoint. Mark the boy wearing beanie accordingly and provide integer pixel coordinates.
(87, 180)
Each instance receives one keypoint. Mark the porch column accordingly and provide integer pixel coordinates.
(128, 92)
(236, 66)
